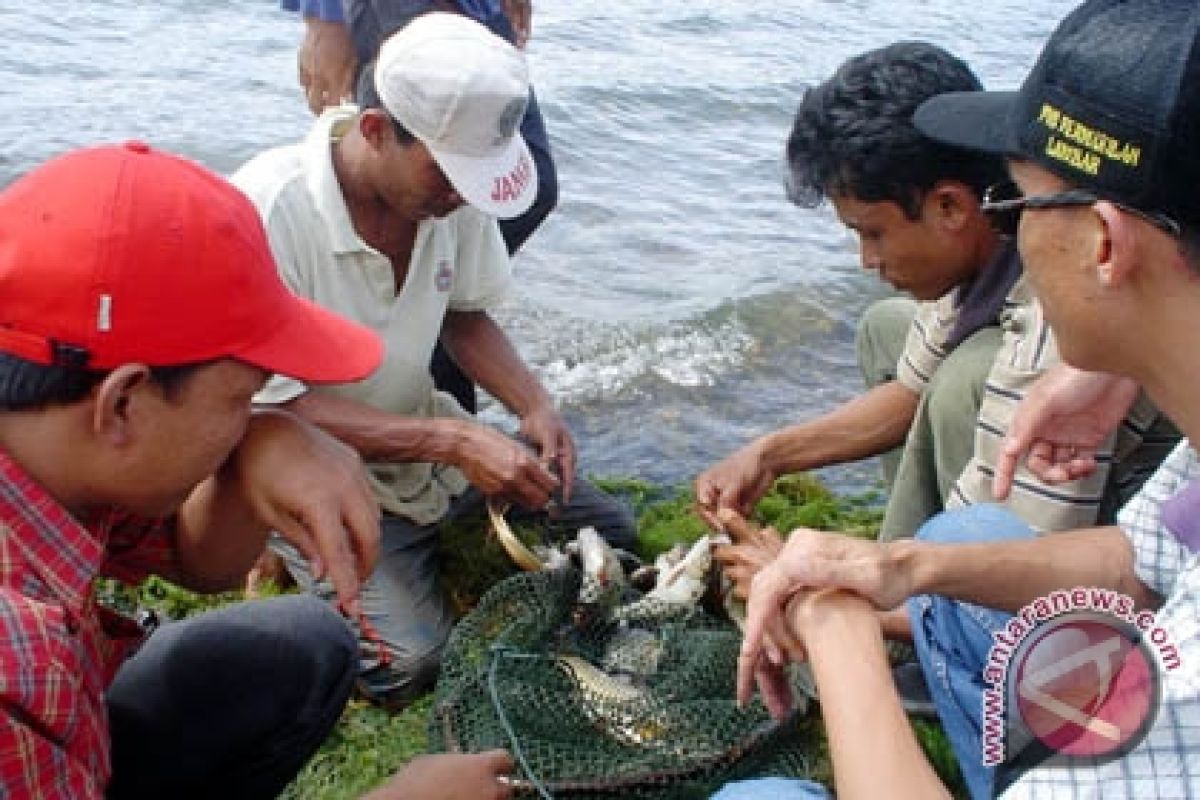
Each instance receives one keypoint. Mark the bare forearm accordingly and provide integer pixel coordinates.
(874, 751)
(1008, 575)
(868, 425)
(379, 435)
(485, 353)
(218, 536)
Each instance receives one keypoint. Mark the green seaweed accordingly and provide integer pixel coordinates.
(369, 744)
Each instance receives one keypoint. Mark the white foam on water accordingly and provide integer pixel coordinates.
(617, 362)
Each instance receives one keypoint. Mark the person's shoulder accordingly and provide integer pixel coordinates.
(37, 631)
(270, 173)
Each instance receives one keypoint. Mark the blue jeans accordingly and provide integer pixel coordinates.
(953, 639)
(772, 789)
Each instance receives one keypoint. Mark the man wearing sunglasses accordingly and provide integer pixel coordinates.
(1103, 144)
(946, 365)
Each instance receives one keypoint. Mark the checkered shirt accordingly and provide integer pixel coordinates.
(60, 650)
(1167, 762)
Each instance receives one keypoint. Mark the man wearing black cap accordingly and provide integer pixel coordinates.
(1103, 142)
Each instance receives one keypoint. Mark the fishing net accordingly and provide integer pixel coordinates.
(601, 701)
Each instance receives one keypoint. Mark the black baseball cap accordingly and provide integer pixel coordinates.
(1112, 105)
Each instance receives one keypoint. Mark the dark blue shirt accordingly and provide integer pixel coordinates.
(332, 11)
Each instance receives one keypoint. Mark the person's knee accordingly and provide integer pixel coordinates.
(399, 681)
(879, 339)
(956, 390)
(977, 523)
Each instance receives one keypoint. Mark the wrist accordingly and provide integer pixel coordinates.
(820, 615)
(766, 451)
(446, 440)
(905, 566)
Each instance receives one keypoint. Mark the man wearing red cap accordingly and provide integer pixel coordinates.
(140, 310)
(387, 215)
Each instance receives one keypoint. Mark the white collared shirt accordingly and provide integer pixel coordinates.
(458, 263)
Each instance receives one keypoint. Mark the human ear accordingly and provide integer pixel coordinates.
(951, 202)
(375, 126)
(115, 402)
(1114, 246)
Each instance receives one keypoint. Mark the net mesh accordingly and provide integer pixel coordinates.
(593, 701)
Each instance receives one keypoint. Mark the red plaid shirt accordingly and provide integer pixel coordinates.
(60, 651)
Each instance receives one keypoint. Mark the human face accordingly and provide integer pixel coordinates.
(180, 438)
(920, 256)
(1059, 255)
(413, 185)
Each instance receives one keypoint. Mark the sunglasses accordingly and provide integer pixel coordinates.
(1003, 204)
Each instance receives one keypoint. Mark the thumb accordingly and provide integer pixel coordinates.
(498, 760)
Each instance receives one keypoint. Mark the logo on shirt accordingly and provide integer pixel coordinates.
(444, 276)
(1075, 675)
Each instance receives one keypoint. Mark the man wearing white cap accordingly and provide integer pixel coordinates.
(386, 215)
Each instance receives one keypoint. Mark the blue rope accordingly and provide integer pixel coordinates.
(496, 652)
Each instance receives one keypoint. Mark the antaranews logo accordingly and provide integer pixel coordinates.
(1075, 674)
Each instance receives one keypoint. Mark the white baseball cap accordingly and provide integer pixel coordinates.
(462, 91)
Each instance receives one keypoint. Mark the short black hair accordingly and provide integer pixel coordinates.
(853, 133)
(366, 95)
(26, 385)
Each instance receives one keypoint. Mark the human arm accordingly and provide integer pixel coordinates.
(871, 743)
(447, 776)
(871, 423)
(1064, 419)
(491, 461)
(326, 62)
(520, 16)
(1003, 575)
(284, 475)
(485, 354)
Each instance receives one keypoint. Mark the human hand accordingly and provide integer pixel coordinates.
(811, 560)
(737, 483)
(752, 549)
(505, 469)
(313, 490)
(520, 15)
(449, 776)
(1064, 419)
(325, 63)
(545, 428)
(804, 613)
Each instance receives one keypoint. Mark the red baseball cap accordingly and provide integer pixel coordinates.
(118, 254)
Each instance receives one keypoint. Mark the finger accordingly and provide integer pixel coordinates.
(361, 517)
(533, 486)
(776, 692)
(708, 517)
(737, 526)
(566, 465)
(761, 603)
(295, 533)
(498, 760)
(333, 543)
(363, 520)
(1006, 466)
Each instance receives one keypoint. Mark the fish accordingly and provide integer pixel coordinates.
(604, 580)
(677, 590)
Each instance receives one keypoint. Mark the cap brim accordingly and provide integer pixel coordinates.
(317, 346)
(502, 184)
(971, 120)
